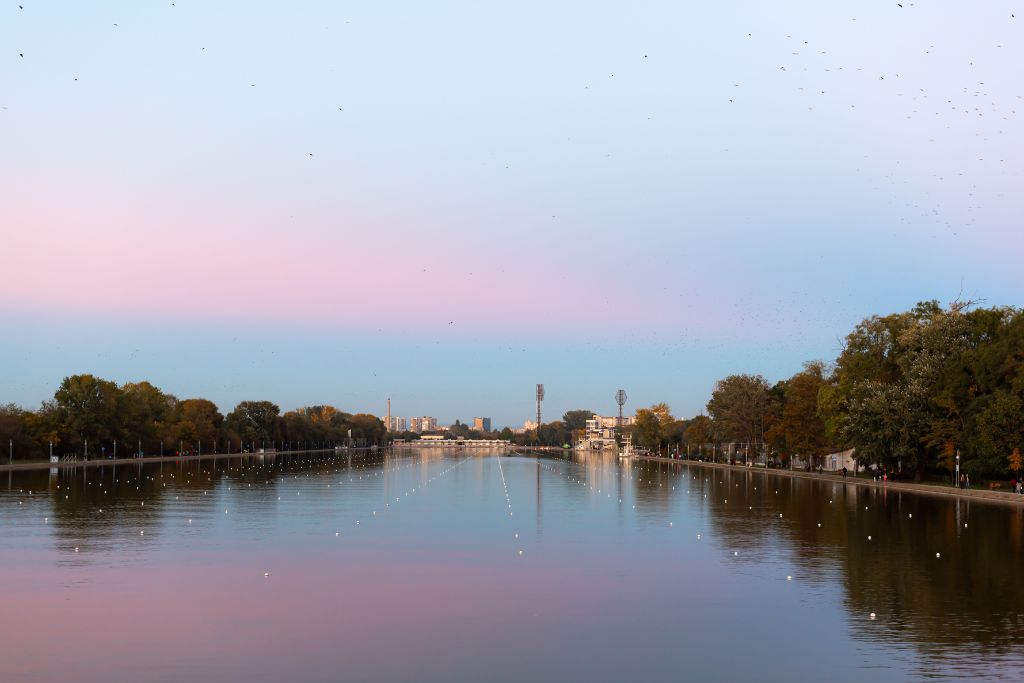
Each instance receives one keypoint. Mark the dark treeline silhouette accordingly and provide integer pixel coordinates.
(96, 418)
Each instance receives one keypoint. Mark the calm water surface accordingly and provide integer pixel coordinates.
(462, 566)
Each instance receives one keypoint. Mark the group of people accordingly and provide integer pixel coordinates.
(965, 481)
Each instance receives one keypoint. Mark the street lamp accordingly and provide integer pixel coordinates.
(956, 476)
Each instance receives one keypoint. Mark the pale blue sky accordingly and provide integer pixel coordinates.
(448, 202)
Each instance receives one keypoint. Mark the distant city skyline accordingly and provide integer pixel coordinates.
(448, 204)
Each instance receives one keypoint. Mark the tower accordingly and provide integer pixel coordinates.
(540, 397)
(620, 398)
(389, 415)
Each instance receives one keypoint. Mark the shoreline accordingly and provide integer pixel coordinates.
(997, 497)
(44, 465)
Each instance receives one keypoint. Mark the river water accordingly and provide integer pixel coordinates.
(465, 566)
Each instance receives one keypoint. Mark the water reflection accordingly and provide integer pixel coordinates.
(375, 562)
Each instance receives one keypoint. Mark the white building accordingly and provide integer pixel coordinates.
(600, 433)
(833, 462)
(422, 424)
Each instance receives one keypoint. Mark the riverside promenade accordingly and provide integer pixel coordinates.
(100, 462)
(997, 497)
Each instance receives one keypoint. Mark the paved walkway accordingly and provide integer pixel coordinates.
(999, 497)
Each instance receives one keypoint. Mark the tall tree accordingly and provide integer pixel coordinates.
(88, 411)
(576, 419)
(739, 405)
(800, 424)
(143, 413)
(699, 434)
(255, 421)
(196, 421)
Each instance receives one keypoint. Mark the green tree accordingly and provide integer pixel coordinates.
(1000, 430)
(195, 421)
(576, 419)
(739, 405)
(255, 422)
(88, 411)
(653, 426)
(800, 424)
(699, 435)
(15, 430)
(143, 414)
(367, 429)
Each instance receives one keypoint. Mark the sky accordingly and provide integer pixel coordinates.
(446, 203)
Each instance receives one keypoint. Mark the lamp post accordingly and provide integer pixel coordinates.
(956, 476)
(10, 451)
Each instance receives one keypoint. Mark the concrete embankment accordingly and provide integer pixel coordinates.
(998, 497)
(43, 465)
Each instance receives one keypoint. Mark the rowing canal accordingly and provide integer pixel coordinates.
(463, 565)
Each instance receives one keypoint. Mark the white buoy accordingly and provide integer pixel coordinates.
(938, 555)
(76, 548)
(871, 616)
(789, 578)
(735, 553)
(911, 515)
(869, 538)
(266, 574)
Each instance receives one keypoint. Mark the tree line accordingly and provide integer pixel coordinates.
(912, 392)
(93, 417)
